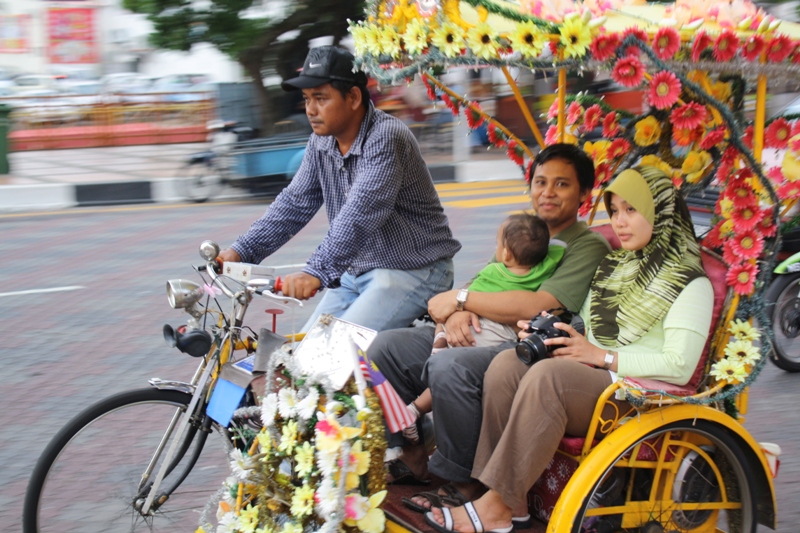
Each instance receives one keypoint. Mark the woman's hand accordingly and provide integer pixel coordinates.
(523, 328)
(575, 347)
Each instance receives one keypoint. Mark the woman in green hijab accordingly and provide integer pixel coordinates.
(647, 315)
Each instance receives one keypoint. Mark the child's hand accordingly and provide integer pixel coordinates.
(459, 328)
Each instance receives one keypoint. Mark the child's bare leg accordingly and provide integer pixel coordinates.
(424, 402)
(419, 407)
(439, 338)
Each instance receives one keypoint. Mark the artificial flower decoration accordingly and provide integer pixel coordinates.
(372, 39)
(473, 115)
(743, 351)
(721, 90)
(752, 47)
(741, 193)
(527, 39)
(288, 437)
(640, 34)
(591, 119)
(598, 151)
(302, 501)
(451, 104)
(604, 46)
(695, 165)
(415, 37)
(551, 136)
(713, 238)
(729, 371)
(748, 244)
(790, 166)
(390, 42)
(688, 116)
(552, 113)
(449, 39)
(664, 90)
(603, 173)
(574, 113)
(712, 138)
(628, 71)
(777, 134)
(515, 152)
(743, 330)
(684, 137)
(287, 402)
(496, 136)
(482, 40)
(575, 37)
(701, 42)
(610, 125)
(767, 226)
(666, 42)
(726, 45)
(618, 148)
(742, 277)
(648, 130)
(304, 459)
(789, 190)
(779, 48)
(330, 434)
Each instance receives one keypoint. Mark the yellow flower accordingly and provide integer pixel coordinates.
(527, 39)
(575, 37)
(725, 207)
(482, 40)
(372, 39)
(248, 519)
(359, 38)
(791, 165)
(729, 371)
(415, 37)
(264, 440)
(292, 527)
(302, 501)
(695, 165)
(598, 151)
(390, 42)
(330, 434)
(199, 530)
(358, 466)
(304, 459)
(374, 521)
(743, 351)
(648, 130)
(449, 39)
(657, 162)
(721, 91)
(727, 227)
(743, 330)
(288, 437)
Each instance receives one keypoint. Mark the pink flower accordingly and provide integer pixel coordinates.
(639, 34)
(789, 190)
(745, 219)
(688, 116)
(551, 137)
(602, 173)
(666, 42)
(767, 225)
(618, 148)
(748, 244)
(701, 42)
(713, 138)
(752, 47)
(779, 48)
(742, 277)
(747, 137)
(574, 112)
(664, 90)
(592, 117)
(610, 125)
(552, 113)
(604, 46)
(726, 45)
(775, 175)
(628, 71)
(777, 134)
(713, 239)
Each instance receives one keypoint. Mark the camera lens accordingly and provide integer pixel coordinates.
(531, 349)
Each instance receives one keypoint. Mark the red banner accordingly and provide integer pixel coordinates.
(15, 34)
(71, 35)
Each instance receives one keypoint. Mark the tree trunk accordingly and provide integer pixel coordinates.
(252, 65)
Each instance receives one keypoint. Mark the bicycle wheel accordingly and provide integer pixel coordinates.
(200, 181)
(88, 477)
(705, 484)
(783, 307)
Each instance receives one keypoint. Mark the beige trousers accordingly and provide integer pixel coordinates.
(526, 412)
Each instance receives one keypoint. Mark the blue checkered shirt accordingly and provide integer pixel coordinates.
(381, 204)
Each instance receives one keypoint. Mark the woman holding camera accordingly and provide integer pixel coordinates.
(647, 315)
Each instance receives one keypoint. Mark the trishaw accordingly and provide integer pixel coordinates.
(307, 455)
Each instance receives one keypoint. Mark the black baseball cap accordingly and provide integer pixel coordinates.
(323, 65)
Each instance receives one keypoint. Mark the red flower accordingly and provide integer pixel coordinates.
(551, 137)
(451, 105)
(528, 171)
(496, 137)
(664, 89)
(779, 48)
(728, 255)
(796, 53)
(741, 193)
(748, 244)
(429, 88)
(713, 238)
(592, 117)
(639, 34)
(713, 138)
(604, 46)
(628, 71)
(473, 115)
(767, 226)
(602, 173)
(618, 148)
(746, 218)
(515, 152)
(552, 113)
(610, 125)
(553, 45)
(742, 277)
(701, 42)
(789, 190)
(666, 43)
(585, 207)
(775, 174)
(726, 45)
(688, 116)
(574, 112)
(777, 134)
(747, 138)
(752, 47)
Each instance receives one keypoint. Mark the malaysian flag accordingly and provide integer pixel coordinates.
(397, 415)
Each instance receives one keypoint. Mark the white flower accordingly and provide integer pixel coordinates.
(327, 498)
(228, 523)
(269, 408)
(241, 464)
(287, 402)
(326, 461)
(308, 405)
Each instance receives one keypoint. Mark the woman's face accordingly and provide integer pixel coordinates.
(633, 230)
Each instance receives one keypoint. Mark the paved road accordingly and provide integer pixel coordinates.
(63, 350)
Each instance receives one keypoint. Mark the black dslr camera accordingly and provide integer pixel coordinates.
(532, 348)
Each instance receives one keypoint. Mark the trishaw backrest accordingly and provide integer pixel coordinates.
(716, 271)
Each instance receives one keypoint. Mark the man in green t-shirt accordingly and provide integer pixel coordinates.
(562, 178)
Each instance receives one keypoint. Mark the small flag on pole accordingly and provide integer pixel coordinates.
(395, 411)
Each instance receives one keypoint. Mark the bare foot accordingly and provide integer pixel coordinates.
(493, 513)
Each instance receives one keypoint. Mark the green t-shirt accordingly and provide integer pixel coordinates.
(495, 277)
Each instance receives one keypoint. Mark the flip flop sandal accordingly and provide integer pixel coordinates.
(402, 475)
(435, 499)
(522, 522)
(473, 516)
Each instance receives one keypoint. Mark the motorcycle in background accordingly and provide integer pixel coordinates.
(782, 301)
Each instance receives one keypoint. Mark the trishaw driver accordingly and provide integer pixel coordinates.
(389, 248)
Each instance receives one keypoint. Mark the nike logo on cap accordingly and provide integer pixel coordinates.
(314, 65)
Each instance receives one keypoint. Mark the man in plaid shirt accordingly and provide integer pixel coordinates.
(389, 248)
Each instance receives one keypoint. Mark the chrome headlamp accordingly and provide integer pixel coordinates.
(183, 293)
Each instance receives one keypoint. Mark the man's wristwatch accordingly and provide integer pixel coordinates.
(461, 299)
(608, 360)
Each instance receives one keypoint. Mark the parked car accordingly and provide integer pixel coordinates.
(35, 82)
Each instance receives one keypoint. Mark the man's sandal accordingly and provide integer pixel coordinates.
(452, 498)
(473, 516)
(402, 474)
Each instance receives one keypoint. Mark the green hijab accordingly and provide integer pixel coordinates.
(633, 290)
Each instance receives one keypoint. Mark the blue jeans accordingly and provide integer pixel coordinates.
(385, 299)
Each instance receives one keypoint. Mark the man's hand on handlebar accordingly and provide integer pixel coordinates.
(229, 255)
(300, 285)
